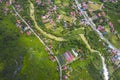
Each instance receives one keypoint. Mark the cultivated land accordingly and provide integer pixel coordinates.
(59, 40)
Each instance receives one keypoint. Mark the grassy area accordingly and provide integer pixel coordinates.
(22, 57)
(113, 8)
(87, 69)
(78, 72)
(93, 7)
(95, 0)
(36, 64)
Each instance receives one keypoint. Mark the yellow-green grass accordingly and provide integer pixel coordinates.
(1, 66)
(58, 31)
(48, 26)
(65, 4)
(115, 41)
(67, 18)
(57, 1)
(93, 7)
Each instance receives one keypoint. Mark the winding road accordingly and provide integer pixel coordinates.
(106, 74)
(93, 26)
(89, 20)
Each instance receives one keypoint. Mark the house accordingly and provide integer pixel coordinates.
(82, 21)
(65, 77)
(18, 25)
(28, 32)
(79, 50)
(55, 7)
(94, 17)
(51, 57)
(49, 1)
(99, 15)
(18, 7)
(13, 1)
(75, 53)
(64, 68)
(68, 56)
(100, 28)
(84, 6)
(45, 21)
(0, 1)
(61, 59)
(117, 57)
(72, 14)
(50, 46)
(7, 3)
(111, 27)
(18, 21)
(59, 17)
(24, 28)
(103, 14)
(110, 0)
(65, 24)
(46, 16)
(38, 2)
(80, 13)
(114, 51)
(6, 10)
(71, 56)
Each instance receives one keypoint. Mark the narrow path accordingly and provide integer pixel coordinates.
(32, 15)
(105, 70)
(86, 42)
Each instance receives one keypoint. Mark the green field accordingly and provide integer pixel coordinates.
(25, 52)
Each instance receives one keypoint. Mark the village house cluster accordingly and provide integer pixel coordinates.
(99, 18)
(39, 2)
(23, 28)
(116, 57)
(101, 21)
(19, 23)
(54, 11)
(110, 0)
(69, 56)
(48, 16)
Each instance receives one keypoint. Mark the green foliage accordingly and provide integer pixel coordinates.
(22, 57)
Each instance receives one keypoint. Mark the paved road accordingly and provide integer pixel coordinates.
(31, 29)
(60, 68)
(93, 26)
